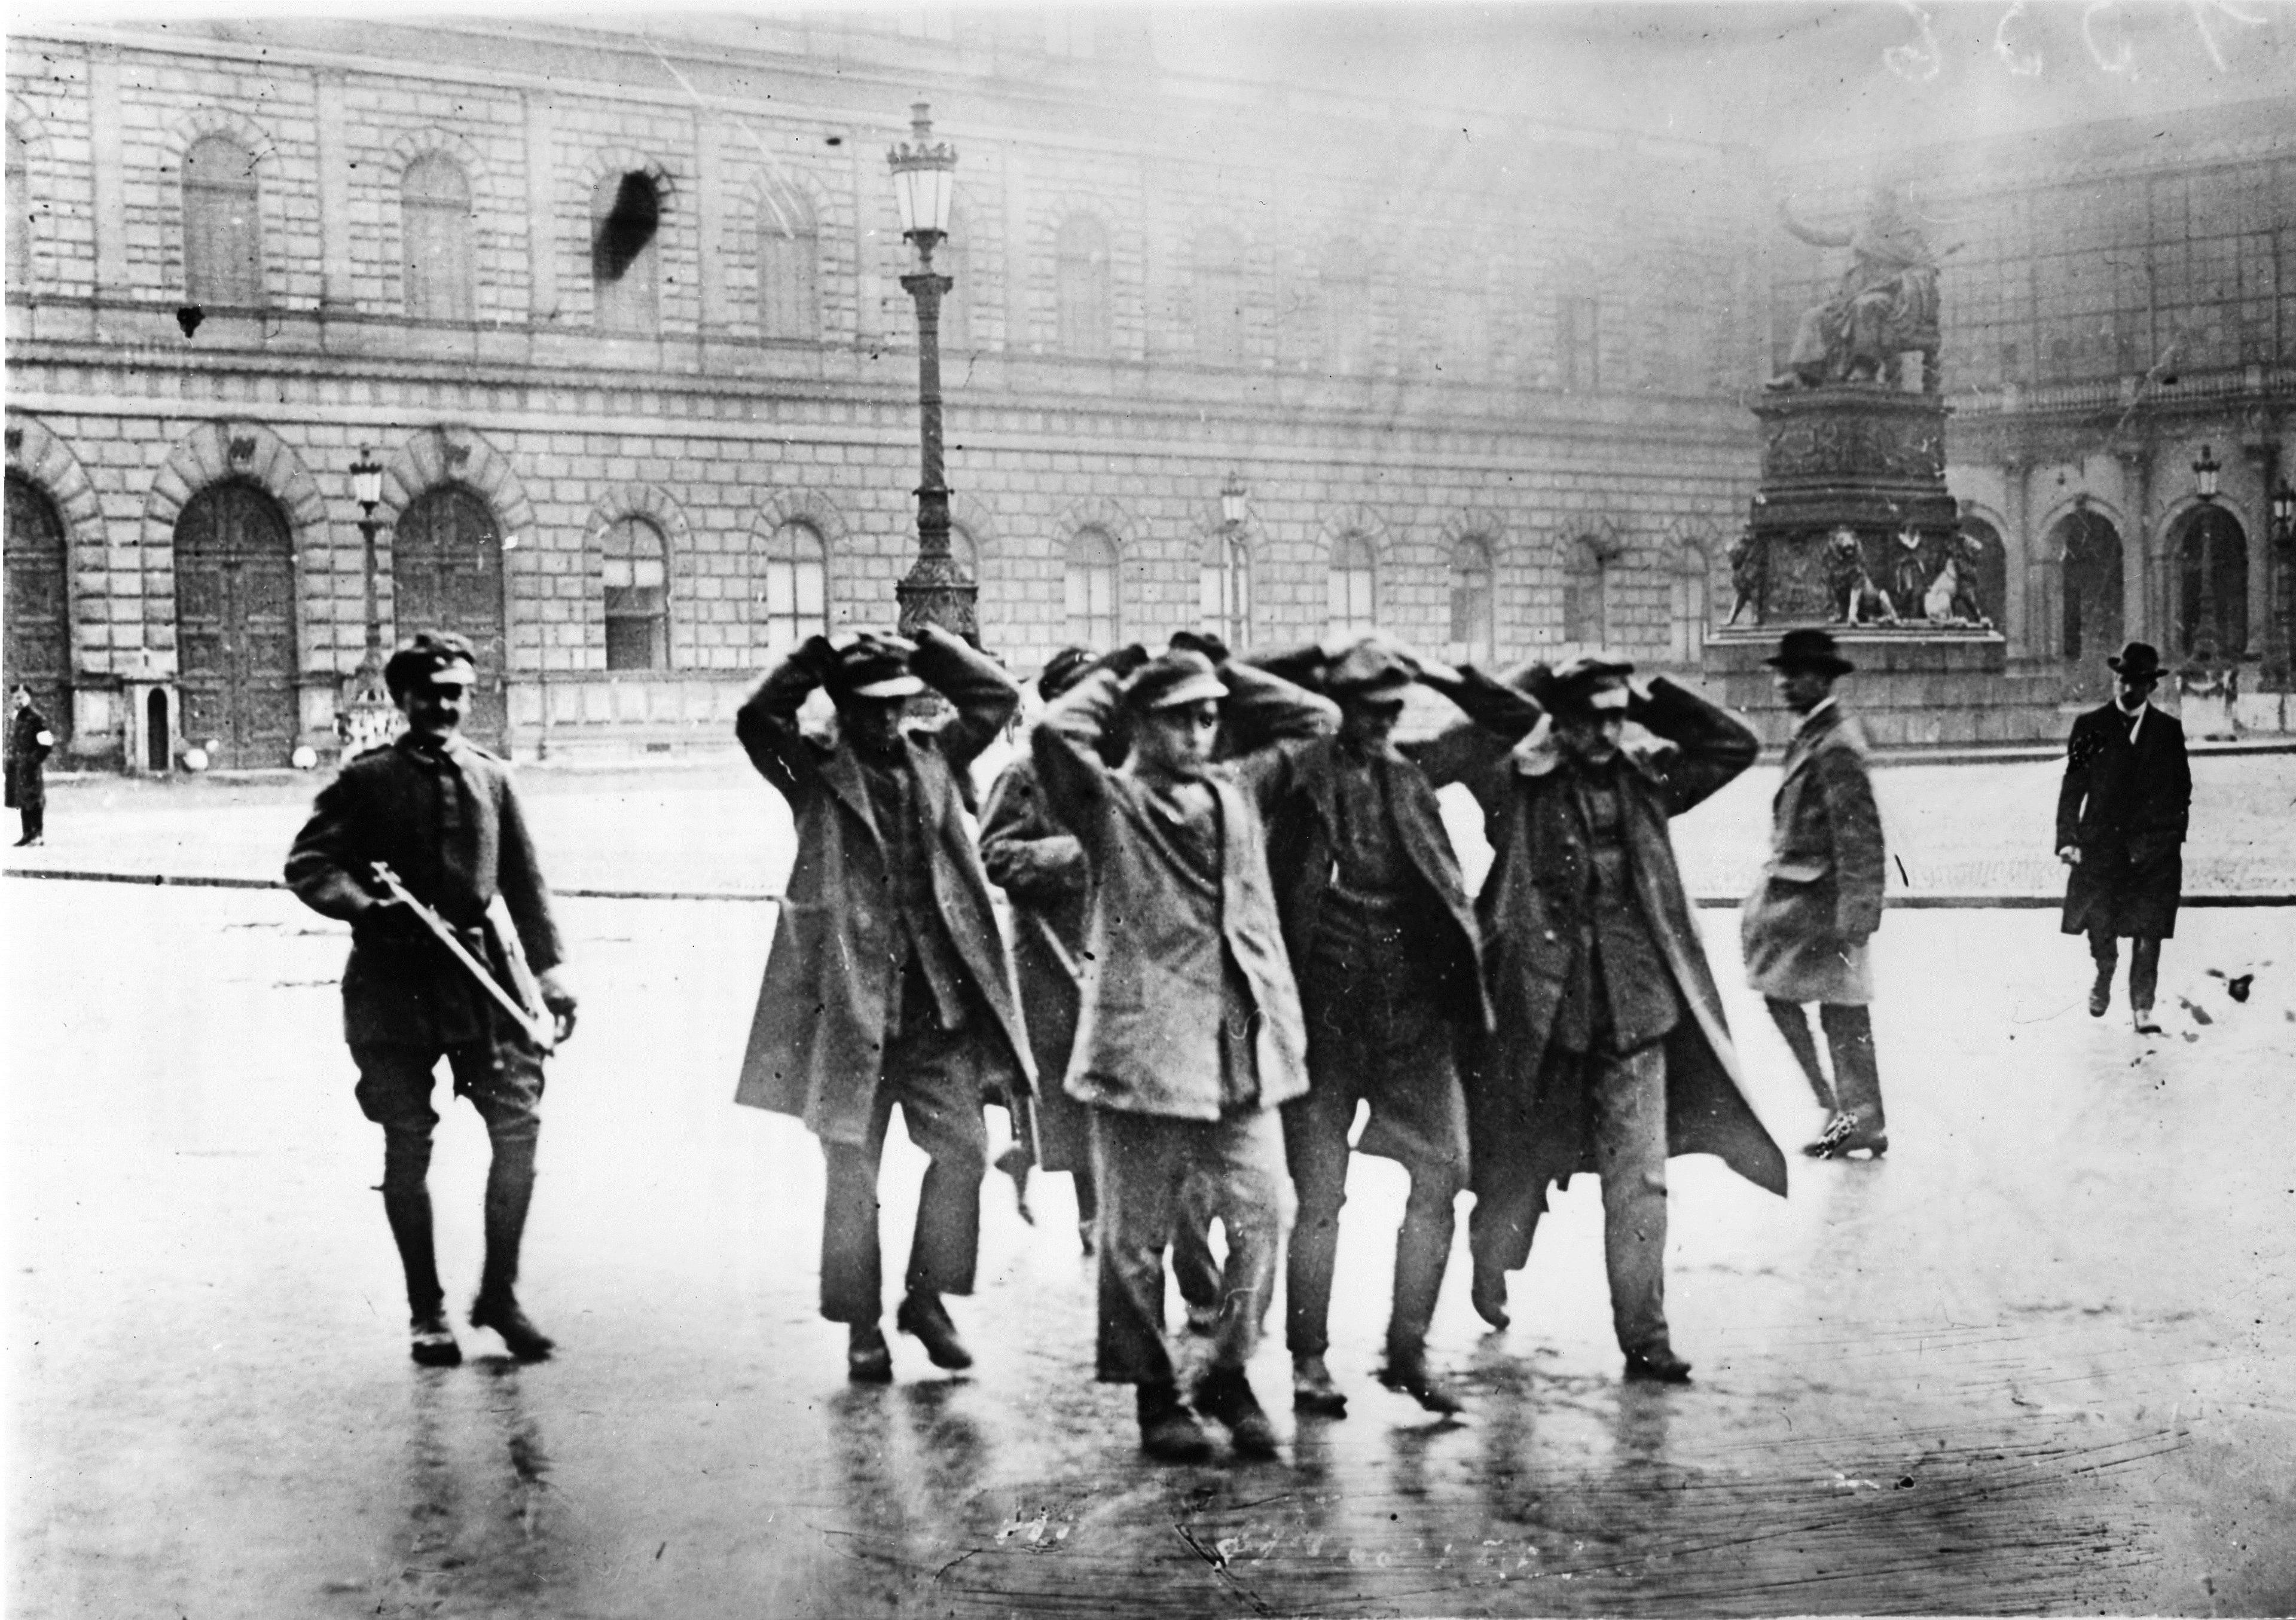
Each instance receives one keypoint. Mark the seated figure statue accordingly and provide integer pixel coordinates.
(1886, 305)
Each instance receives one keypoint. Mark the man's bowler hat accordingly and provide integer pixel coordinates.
(2139, 661)
(1809, 650)
(875, 665)
(1179, 676)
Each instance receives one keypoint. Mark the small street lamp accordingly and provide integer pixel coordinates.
(937, 589)
(2284, 512)
(368, 716)
(1233, 498)
(2204, 471)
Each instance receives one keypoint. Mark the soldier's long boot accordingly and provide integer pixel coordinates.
(407, 1205)
(510, 1189)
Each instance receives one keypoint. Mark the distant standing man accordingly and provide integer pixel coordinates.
(30, 740)
(1808, 925)
(2122, 814)
(1385, 947)
(1190, 1036)
(888, 981)
(1610, 1050)
(444, 816)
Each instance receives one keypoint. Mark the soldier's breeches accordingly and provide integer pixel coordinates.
(1143, 1163)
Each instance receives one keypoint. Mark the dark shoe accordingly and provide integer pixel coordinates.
(923, 1315)
(1312, 1389)
(868, 1360)
(1845, 1135)
(1169, 1430)
(2146, 1024)
(1656, 1365)
(2100, 994)
(1224, 1395)
(1489, 1294)
(1407, 1370)
(520, 1337)
(432, 1341)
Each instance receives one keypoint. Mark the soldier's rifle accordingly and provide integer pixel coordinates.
(538, 1024)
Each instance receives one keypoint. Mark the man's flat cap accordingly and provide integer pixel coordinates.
(1175, 678)
(875, 666)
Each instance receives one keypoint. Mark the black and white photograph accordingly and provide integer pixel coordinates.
(1149, 809)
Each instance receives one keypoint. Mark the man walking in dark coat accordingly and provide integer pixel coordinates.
(888, 980)
(1610, 1050)
(1384, 944)
(1807, 927)
(2122, 814)
(1190, 1036)
(444, 816)
(30, 740)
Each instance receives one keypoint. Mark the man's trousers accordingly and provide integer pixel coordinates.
(926, 1072)
(2144, 962)
(1628, 1092)
(1143, 1163)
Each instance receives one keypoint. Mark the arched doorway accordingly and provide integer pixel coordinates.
(235, 625)
(2211, 553)
(2089, 548)
(447, 573)
(39, 640)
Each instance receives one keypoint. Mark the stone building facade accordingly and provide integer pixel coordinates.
(2118, 310)
(619, 316)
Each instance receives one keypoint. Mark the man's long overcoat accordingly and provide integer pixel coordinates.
(1818, 901)
(1536, 917)
(1148, 1037)
(818, 1040)
(27, 779)
(2126, 807)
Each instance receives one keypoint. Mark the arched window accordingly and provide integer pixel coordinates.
(1688, 604)
(625, 269)
(1092, 604)
(2212, 585)
(1351, 601)
(1224, 582)
(447, 573)
(2088, 552)
(1085, 319)
(789, 265)
(1219, 297)
(20, 214)
(797, 586)
(1474, 602)
(1346, 308)
(636, 575)
(434, 233)
(1585, 609)
(222, 230)
(38, 602)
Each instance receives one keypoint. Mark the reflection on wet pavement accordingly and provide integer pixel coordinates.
(2036, 1359)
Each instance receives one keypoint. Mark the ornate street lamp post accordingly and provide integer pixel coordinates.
(368, 715)
(936, 590)
(2280, 629)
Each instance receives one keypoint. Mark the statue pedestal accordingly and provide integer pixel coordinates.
(1853, 529)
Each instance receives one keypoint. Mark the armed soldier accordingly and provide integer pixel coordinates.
(443, 814)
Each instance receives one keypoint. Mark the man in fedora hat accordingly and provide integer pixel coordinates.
(1610, 1050)
(1190, 1035)
(2121, 818)
(888, 980)
(1806, 925)
(1387, 951)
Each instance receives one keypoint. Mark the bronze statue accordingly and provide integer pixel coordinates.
(1745, 556)
(1863, 602)
(1886, 304)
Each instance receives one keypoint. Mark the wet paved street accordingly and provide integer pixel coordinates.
(2038, 1359)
